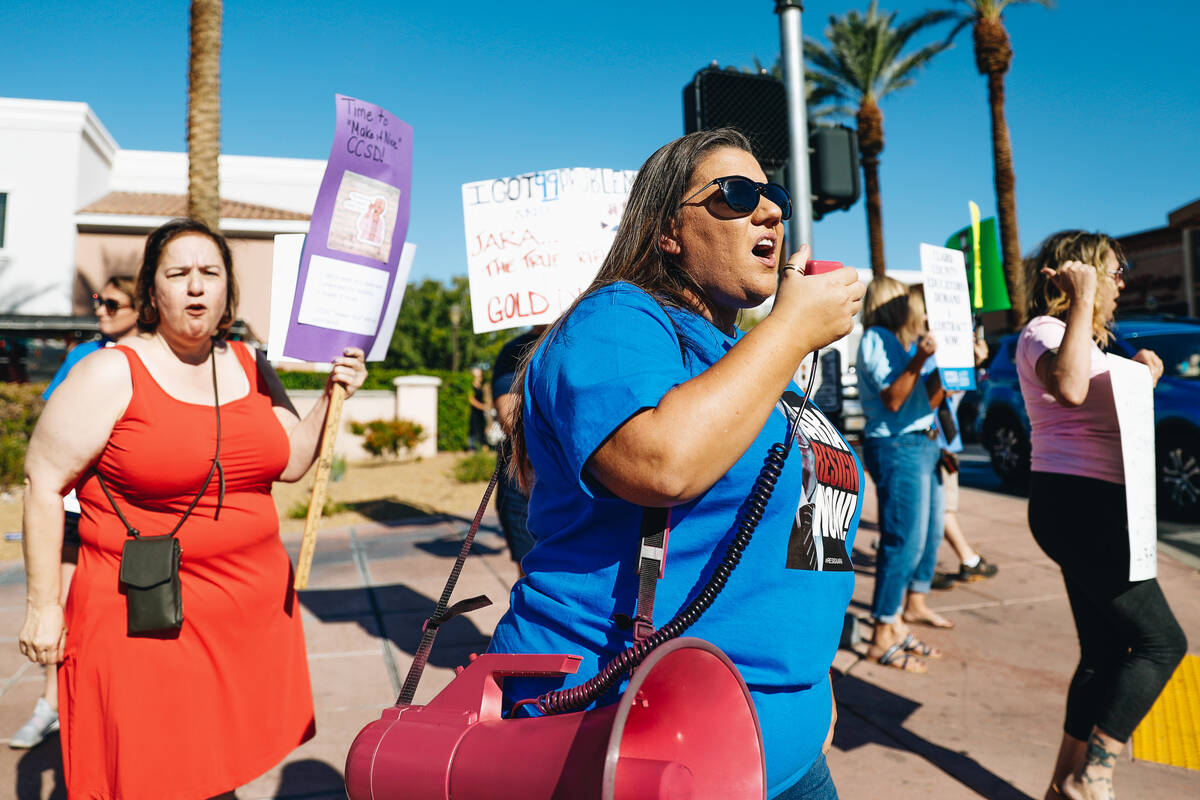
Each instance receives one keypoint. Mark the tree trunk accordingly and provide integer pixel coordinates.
(1006, 201)
(993, 56)
(204, 113)
(870, 145)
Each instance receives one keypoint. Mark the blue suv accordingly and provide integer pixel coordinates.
(1004, 427)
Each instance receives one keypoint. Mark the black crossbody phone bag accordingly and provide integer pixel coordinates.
(150, 564)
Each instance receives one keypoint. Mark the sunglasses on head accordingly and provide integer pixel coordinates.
(110, 305)
(741, 194)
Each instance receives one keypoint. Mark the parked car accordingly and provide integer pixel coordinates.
(1004, 426)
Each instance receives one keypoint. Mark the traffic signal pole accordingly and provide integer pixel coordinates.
(791, 44)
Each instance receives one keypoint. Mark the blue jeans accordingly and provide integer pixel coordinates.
(911, 504)
(513, 507)
(817, 784)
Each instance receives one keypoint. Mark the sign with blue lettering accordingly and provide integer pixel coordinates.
(948, 306)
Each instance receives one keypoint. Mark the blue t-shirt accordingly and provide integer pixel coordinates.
(74, 356)
(779, 618)
(881, 358)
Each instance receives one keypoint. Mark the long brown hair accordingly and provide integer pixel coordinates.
(635, 256)
(1047, 300)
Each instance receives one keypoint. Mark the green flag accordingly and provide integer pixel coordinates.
(995, 291)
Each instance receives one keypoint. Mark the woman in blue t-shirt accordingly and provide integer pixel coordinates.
(901, 452)
(646, 394)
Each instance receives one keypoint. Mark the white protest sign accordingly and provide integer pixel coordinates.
(535, 241)
(339, 295)
(948, 306)
(1133, 395)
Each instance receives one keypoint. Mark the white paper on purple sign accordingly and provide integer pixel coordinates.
(1133, 395)
(343, 296)
(284, 272)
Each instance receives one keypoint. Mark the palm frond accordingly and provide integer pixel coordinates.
(865, 57)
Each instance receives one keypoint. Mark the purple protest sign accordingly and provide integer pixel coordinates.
(356, 234)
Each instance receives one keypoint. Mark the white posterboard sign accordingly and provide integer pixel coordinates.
(948, 306)
(535, 241)
(325, 303)
(1133, 394)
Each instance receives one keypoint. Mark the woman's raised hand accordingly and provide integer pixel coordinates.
(820, 308)
(1075, 279)
(350, 370)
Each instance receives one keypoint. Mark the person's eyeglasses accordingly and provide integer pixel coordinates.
(110, 305)
(741, 194)
(1119, 273)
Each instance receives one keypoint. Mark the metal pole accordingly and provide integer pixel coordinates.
(1189, 269)
(791, 44)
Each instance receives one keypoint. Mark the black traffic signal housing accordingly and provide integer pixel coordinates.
(833, 168)
(757, 106)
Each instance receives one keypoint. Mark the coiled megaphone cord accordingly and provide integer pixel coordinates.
(749, 516)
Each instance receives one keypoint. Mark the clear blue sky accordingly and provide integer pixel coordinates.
(1102, 98)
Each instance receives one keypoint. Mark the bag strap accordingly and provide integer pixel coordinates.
(442, 611)
(656, 527)
(216, 467)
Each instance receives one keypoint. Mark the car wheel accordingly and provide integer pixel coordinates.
(1179, 475)
(1007, 444)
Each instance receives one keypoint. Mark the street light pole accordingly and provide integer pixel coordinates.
(455, 318)
(791, 44)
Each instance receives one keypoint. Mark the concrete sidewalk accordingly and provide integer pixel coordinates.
(984, 722)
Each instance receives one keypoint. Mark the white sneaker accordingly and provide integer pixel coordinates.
(43, 723)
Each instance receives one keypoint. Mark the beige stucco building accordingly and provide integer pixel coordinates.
(68, 223)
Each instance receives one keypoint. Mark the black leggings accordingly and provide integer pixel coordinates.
(1129, 641)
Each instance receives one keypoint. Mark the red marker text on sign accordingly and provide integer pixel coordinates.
(516, 305)
(500, 240)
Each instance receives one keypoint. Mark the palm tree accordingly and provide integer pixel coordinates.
(862, 65)
(993, 56)
(204, 113)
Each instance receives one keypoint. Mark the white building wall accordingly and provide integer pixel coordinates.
(40, 170)
(56, 158)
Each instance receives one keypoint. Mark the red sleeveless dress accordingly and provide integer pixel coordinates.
(193, 716)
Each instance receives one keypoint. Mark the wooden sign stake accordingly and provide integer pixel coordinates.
(316, 503)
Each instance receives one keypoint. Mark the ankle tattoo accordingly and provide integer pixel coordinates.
(1099, 755)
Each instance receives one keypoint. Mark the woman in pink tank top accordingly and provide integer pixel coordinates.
(1129, 641)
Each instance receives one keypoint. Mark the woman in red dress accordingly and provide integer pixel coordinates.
(197, 712)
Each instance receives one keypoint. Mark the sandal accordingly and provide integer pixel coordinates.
(912, 644)
(897, 657)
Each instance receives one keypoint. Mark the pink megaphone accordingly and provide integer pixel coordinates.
(684, 728)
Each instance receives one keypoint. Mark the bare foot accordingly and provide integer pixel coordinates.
(1081, 787)
(928, 617)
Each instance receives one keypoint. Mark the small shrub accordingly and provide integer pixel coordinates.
(394, 436)
(453, 409)
(299, 509)
(475, 468)
(20, 405)
(337, 468)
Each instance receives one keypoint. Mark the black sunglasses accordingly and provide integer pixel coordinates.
(741, 194)
(110, 305)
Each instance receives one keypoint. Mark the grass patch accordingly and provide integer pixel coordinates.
(475, 468)
(299, 509)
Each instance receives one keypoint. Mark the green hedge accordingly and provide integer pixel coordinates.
(20, 404)
(453, 406)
